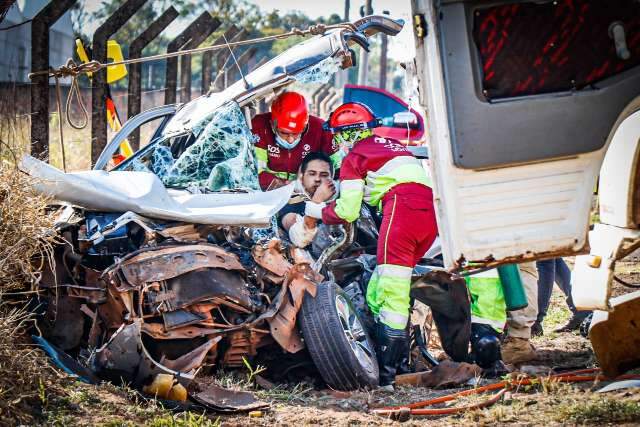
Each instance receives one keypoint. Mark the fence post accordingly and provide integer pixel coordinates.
(223, 59)
(40, 84)
(171, 75)
(99, 78)
(207, 58)
(207, 28)
(134, 102)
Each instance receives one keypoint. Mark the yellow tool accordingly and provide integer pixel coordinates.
(114, 53)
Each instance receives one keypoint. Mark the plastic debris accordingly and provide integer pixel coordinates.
(165, 386)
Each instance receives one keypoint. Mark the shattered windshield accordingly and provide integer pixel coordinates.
(216, 152)
(215, 155)
(320, 73)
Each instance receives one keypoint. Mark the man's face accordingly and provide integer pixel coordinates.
(288, 136)
(317, 171)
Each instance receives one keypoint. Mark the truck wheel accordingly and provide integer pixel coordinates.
(339, 346)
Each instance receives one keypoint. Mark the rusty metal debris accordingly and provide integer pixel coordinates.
(615, 335)
(152, 301)
(446, 374)
(223, 400)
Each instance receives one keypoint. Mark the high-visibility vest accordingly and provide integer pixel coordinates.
(487, 299)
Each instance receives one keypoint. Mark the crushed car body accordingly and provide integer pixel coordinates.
(171, 263)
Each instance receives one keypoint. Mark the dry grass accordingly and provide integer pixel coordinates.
(25, 235)
(25, 230)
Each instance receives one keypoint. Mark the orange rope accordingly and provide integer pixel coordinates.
(502, 386)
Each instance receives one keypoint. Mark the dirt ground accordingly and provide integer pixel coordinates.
(299, 404)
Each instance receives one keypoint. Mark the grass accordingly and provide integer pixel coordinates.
(600, 411)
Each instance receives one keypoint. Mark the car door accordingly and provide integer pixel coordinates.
(522, 98)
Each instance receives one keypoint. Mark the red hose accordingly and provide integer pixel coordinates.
(503, 386)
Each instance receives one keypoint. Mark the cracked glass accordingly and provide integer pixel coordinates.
(217, 155)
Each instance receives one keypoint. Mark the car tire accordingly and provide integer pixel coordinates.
(340, 347)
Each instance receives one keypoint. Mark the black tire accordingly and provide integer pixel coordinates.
(332, 352)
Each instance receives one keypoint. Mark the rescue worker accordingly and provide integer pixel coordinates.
(286, 135)
(489, 315)
(383, 173)
(315, 169)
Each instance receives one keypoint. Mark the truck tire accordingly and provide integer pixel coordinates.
(339, 346)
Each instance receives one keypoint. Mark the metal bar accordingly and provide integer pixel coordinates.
(247, 55)
(40, 84)
(99, 78)
(383, 62)
(207, 58)
(222, 62)
(363, 63)
(134, 101)
(171, 75)
(208, 27)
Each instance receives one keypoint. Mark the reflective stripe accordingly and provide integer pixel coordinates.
(352, 184)
(487, 298)
(350, 200)
(495, 324)
(399, 170)
(261, 154)
(396, 162)
(281, 175)
(396, 271)
(394, 320)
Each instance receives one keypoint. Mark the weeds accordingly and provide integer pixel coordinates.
(600, 411)
(252, 372)
(186, 419)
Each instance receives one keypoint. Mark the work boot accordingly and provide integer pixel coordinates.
(574, 323)
(517, 350)
(390, 347)
(485, 345)
(536, 329)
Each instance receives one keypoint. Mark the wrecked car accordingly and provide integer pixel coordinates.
(172, 263)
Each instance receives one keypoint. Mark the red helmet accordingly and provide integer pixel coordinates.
(351, 115)
(289, 112)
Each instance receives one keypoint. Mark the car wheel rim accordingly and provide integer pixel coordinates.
(355, 334)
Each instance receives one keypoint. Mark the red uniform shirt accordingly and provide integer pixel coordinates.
(374, 167)
(275, 161)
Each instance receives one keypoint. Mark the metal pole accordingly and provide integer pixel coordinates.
(99, 78)
(383, 58)
(134, 100)
(207, 28)
(364, 55)
(207, 58)
(342, 77)
(171, 75)
(40, 84)
(219, 83)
